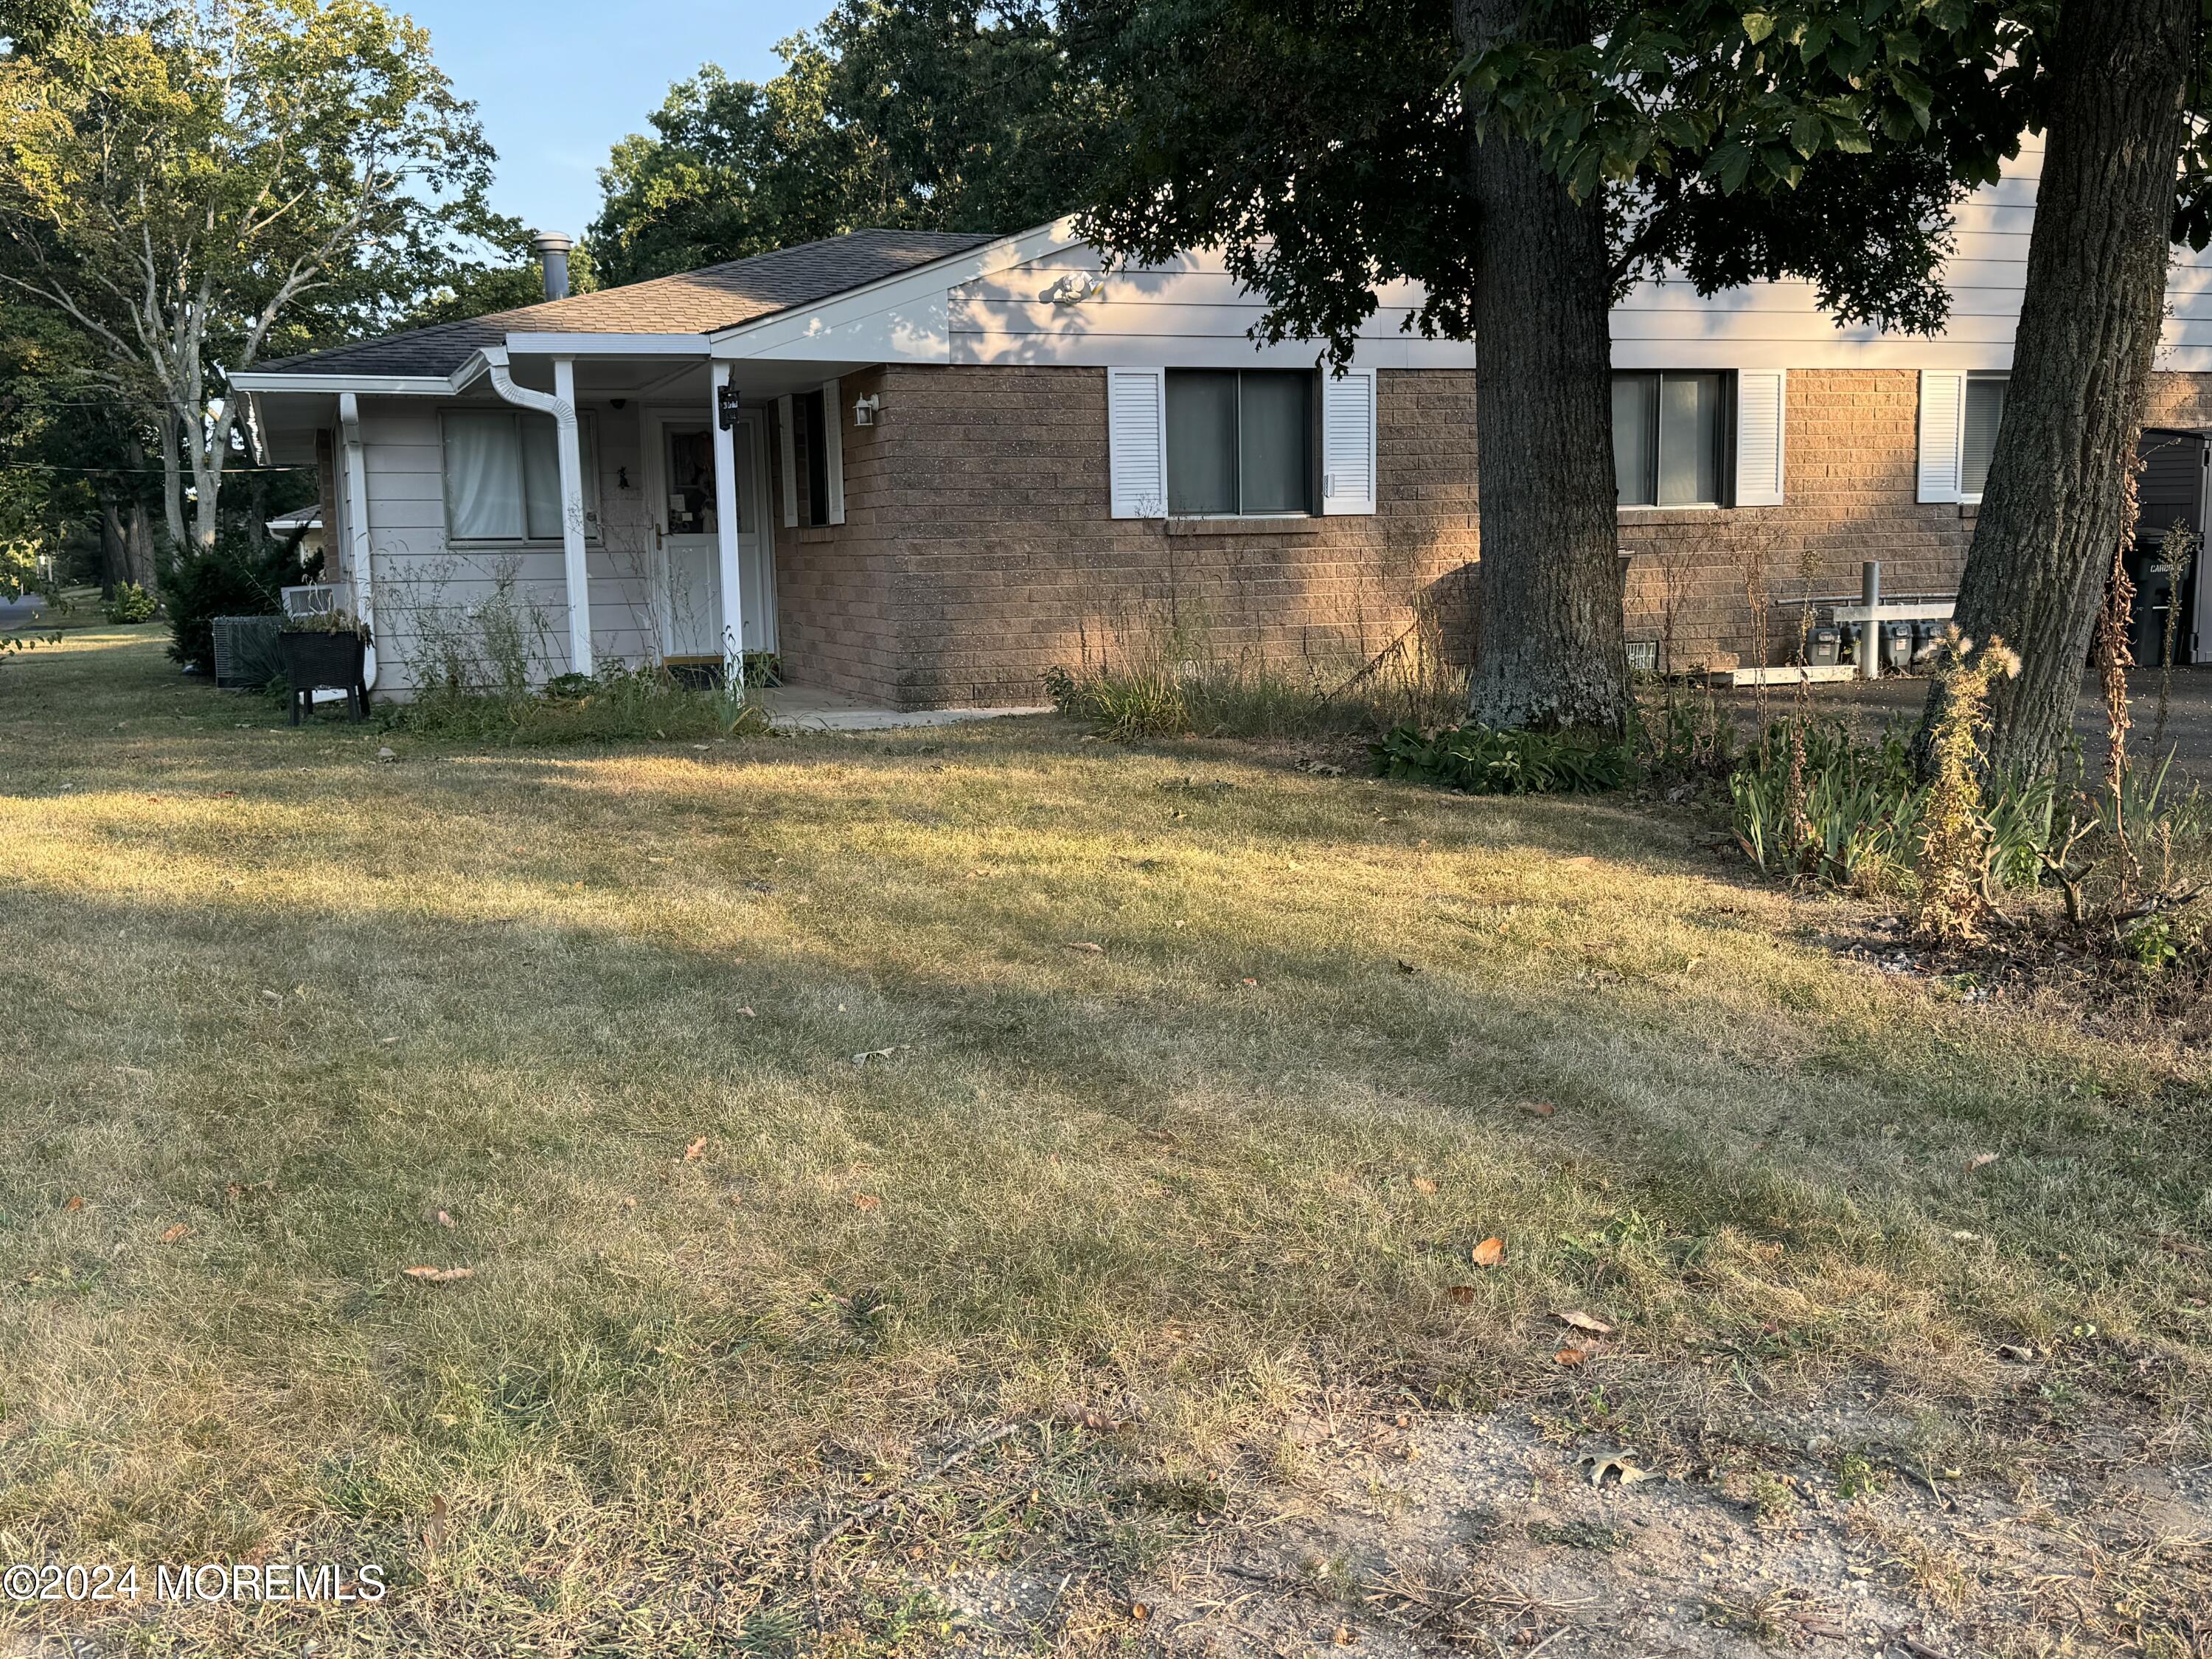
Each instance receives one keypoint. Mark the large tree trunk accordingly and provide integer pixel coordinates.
(1549, 630)
(115, 549)
(2056, 501)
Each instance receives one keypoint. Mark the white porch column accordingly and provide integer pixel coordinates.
(562, 406)
(726, 528)
(359, 571)
(578, 575)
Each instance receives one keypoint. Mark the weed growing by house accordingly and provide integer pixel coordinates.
(618, 704)
(1167, 682)
(1956, 850)
(130, 603)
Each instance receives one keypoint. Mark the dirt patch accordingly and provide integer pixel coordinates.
(1450, 1533)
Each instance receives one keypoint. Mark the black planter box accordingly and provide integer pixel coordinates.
(318, 661)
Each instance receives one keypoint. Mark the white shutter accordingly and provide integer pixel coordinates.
(833, 445)
(1760, 395)
(783, 413)
(1942, 406)
(1347, 441)
(1137, 442)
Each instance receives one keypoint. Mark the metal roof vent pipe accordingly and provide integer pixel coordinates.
(552, 251)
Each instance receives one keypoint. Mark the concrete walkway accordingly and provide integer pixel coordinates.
(802, 708)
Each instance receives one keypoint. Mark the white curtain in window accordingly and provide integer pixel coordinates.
(1689, 439)
(483, 480)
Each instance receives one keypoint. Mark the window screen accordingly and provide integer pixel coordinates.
(1985, 402)
(1670, 439)
(1240, 441)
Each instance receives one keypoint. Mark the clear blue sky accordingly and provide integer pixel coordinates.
(556, 83)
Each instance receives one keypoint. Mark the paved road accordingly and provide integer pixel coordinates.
(21, 613)
(1870, 706)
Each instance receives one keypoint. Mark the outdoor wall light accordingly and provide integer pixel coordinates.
(865, 409)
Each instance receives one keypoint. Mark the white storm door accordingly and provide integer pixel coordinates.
(684, 519)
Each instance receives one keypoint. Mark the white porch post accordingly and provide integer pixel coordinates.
(726, 529)
(562, 406)
(577, 574)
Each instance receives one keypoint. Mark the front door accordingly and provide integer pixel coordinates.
(692, 609)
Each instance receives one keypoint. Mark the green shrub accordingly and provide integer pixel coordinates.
(130, 603)
(1485, 760)
(230, 581)
(616, 705)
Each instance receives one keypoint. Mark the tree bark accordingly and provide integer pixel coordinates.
(115, 549)
(1548, 644)
(2056, 503)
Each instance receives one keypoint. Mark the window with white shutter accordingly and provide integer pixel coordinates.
(1761, 397)
(1347, 442)
(1942, 406)
(1136, 442)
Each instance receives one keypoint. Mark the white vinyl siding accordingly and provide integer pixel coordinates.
(1347, 442)
(1943, 399)
(1136, 442)
(1761, 464)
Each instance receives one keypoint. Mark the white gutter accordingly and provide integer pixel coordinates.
(356, 476)
(368, 385)
(561, 404)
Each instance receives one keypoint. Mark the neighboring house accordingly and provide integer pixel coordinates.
(304, 523)
(924, 469)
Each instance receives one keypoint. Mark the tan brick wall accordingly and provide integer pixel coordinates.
(1850, 476)
(979, 552)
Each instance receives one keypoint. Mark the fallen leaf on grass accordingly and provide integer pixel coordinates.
(1571, 1356)
(74, 1203)
(866, 1201)
(1583, 1322)
(1085, 944)
(1423, 1184)
(1078, 1415)
(867, 1054)
(175, 1233)
(1489, 1252)
(439, 1275)
(1980, 1161)
(1247, 981)
(1344, 1637)
(695, 1151)
(434, 1529)
(749, 1013)
(1538, 1108)
(1462, 1294)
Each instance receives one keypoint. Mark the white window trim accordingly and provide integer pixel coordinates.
(587, 444)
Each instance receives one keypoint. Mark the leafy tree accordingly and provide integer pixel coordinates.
(1746, 101)
(928, 114)
(1327, 147)
(477, 287)
(196, 183)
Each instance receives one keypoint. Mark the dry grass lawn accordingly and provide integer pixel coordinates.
(806, 1109)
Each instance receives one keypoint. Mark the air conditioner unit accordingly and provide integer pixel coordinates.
(318, 599)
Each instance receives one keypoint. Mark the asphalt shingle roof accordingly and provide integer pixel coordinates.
(695, 302)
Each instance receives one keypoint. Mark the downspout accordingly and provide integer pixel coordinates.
(356, 505)
(561, 404)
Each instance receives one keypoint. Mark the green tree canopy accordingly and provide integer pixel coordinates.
(198, 184)
(928, 114)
